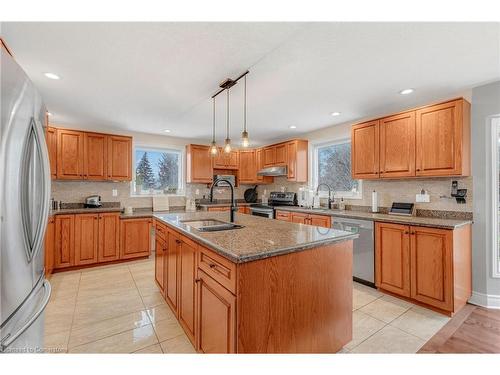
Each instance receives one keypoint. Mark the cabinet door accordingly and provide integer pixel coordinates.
(432, 266)
(292, 160)
(216, 316)
(160, 247)
(247, 171)
(320, 220)
(259, 162)
(439, 139)
(86, 238)
(392, 258)
(65, 241)
(281, 153)
(95, 156)
(51, 138)
(119, 158)
(219, 161)
(70, 145)
(49, 246)
(187, 292)
(233, 160)
(199, 164)
(365, 150)
(283, 216)
(135, 238)
(397, 146)
(297, 217)
(171, 259)
(109, 237)
(269, 156)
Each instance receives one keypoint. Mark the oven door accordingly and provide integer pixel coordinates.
(263, 212)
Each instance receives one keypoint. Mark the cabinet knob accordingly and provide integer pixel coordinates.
(418, 169)
(178, 241)
(197, 280)
(413, 233)
(212, 265)
(406, 232)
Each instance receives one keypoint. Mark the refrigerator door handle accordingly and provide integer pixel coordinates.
(35, 190)
(10, 338)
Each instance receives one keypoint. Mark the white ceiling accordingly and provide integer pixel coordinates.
(148, 77)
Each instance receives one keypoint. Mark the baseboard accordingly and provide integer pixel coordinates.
(491, 301)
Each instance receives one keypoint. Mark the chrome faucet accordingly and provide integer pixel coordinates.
(330, 200)
(234, 208)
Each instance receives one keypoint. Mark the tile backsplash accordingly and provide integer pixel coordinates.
(388, 192)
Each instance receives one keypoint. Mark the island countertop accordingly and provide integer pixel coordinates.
(259, 238)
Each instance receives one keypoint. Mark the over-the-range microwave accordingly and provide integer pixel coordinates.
(231, 178)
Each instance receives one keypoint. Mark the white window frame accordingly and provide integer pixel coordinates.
(495, 135)
(176, 149)
(315, 171)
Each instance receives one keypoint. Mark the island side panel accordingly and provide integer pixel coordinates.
(296, 303)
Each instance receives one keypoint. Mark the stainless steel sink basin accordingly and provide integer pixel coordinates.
(210, 225)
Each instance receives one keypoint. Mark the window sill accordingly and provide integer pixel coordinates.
(156, 195)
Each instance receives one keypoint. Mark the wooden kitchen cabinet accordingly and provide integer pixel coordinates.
(49, 246)
(365, 150)
(311, 219)
(392, 258)
(160, 249)
(225, 160)
(135, 238)
(269, 156)
(70, 152)
(171, 261)
(397, 145)
(281, 154)
(51, 140)
(119, 158)
(86, 238)
(283, 215)
(259, 162)
(64, 241)
(248, 167)
(216, 328)
(430, 266)
(109, 237)
(443, 139)
(95, 163)
(297, 162)
(187, 286)
(199, 164)
(299, 218)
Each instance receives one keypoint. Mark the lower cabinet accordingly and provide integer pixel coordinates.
(109, 237)
(283, 215)
(64, 241)
(310, 219)
(160, 249)
(135, 238)
(86, 238)
(171, 267)
(428, 265)
(49, 246)
(187, 291)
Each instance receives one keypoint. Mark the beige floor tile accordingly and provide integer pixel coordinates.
(147, 286)
(363, 327)
(155, 299)
(423, 323)
(390, 340)
(343, 351)
(56, 342)
(167, 329)
(179, 344)
(153, 349)
(386, 308)
(89, 332)
(125, 342)
(160, 312)
(363, 295)
(59, 316)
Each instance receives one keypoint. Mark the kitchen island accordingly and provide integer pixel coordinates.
(269, 287)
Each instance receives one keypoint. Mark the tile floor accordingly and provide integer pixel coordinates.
(119, 309)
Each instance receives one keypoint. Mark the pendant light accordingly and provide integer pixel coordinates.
(227, 146)
(214, 150)
(245, 142)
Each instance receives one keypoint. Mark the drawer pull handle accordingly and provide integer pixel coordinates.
(212, 265)
(197, 280)
(177, 241)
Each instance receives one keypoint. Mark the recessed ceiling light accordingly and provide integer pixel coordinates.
(52, 76)
(406, 91)
(167, 130)
(292, 127)
(335, 113)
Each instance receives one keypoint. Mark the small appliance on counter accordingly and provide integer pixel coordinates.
(403, 209)
(93, 201)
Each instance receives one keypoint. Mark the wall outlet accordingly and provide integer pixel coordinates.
(197, 192)
(115, 192)
(422, 198)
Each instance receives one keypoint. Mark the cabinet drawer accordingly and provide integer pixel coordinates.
(282, 215)
(218, 268)
(161, 231)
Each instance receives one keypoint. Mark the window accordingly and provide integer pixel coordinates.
(157, 171)
(332, 166)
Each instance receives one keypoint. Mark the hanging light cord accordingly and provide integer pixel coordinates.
(213, 132)
(245, 106)
(227, 116)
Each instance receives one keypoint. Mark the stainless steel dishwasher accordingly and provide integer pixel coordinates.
(363, 267)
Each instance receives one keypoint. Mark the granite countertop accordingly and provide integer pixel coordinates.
(222, 204)
(259, 238)
(136, 214)
(412, 220)
(69, 211)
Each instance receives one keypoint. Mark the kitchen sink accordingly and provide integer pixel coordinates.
(210, 225)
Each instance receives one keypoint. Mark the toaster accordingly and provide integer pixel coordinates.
(93, 201)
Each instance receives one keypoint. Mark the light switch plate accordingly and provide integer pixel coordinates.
(422, 198)
(115, 193)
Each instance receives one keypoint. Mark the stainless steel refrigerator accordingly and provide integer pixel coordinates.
(24, 209)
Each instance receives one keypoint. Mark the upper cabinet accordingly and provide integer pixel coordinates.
(199, 164)
(77, 155)
(225, 160)
(297, 160)
(248, 167)
(429, 141)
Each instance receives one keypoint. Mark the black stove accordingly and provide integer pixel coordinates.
(276, 199)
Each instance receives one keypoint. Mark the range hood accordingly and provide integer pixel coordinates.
(273, 171)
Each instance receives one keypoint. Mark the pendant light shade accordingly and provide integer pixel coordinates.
(214, 150)
(227, 142)
(245, 142)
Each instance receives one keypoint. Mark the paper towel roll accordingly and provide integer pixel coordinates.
(374, 201)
